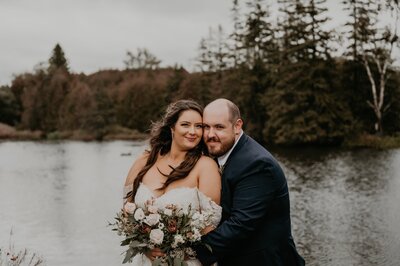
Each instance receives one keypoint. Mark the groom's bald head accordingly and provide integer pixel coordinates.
(223, 105)
(222, 126)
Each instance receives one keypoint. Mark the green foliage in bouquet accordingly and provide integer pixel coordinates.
(171, 229)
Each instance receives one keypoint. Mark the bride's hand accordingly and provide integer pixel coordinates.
(154, 253)
(207, 229)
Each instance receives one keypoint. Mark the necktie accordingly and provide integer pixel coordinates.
(221, 169)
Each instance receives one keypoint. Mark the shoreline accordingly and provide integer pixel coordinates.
(124, 134)
(110, 133)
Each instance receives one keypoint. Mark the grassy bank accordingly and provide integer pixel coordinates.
(109, 133)
(373, 141)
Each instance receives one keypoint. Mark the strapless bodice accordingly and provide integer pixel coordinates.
(182, 197)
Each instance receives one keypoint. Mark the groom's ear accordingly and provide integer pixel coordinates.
(238, 126)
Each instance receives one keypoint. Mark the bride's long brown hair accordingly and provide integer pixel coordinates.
(160, 144)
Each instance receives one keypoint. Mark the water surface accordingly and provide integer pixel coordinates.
(58, 196)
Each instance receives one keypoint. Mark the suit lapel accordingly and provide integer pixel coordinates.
(243, 139)
(227, 175)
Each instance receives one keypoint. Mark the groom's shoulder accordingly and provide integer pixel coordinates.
(255, 147)
(257, 152)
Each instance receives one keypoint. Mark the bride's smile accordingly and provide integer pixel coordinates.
(187, 131)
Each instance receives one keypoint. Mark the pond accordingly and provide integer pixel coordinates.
(56, 199)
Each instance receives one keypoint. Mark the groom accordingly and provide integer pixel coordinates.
(255, 228)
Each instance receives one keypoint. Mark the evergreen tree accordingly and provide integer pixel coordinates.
(363, 17)
(222, 52)
(236, 37)
(9, 109)
(302, 107)
(57, 59)
(258, 34)
(143, 59)
(260, 54)
(213, 51)
(204, 61)
(174, 83)
(319, 38)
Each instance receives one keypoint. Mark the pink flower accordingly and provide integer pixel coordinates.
(130, 207)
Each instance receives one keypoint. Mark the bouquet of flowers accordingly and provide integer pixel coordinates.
(171, 229)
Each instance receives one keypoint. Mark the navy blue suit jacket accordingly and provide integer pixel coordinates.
(255, 228)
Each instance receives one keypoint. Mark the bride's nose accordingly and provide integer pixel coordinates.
(192, 130)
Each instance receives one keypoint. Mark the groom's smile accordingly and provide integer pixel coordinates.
(219, 132)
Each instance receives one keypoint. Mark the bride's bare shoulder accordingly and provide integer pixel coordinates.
(209, 179)
(138, 165)
(206, 162)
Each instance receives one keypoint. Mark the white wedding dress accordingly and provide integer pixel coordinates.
(182, 197)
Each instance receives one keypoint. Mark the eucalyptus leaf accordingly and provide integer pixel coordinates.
(125, 242)
(156, 262)
(128, 256)
(134, 243)
(178, 261)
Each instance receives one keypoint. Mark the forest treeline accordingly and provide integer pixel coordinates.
(284, 74)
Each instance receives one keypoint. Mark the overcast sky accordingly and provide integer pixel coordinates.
(95, 34)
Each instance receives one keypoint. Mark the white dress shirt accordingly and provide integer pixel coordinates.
(222, 159)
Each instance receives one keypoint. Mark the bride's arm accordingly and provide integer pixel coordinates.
(209, 179)
(134, 170)
(210, 186)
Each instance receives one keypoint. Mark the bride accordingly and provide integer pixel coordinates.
(174, 170)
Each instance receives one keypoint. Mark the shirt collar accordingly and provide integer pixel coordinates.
(222, 159)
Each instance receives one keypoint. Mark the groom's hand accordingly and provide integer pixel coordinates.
(207, 229)
(154, 253)
(204, 255)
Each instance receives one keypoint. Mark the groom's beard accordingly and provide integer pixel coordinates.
(217, 148)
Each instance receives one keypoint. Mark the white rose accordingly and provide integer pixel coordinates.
(130, 207)
(139, 214)
(156, 236)
(196, 234)
(168, 212)
(152, 209)
(178, 239)
(152, 219)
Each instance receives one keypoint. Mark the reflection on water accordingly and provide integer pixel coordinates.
(345, 207)
(58, 197)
